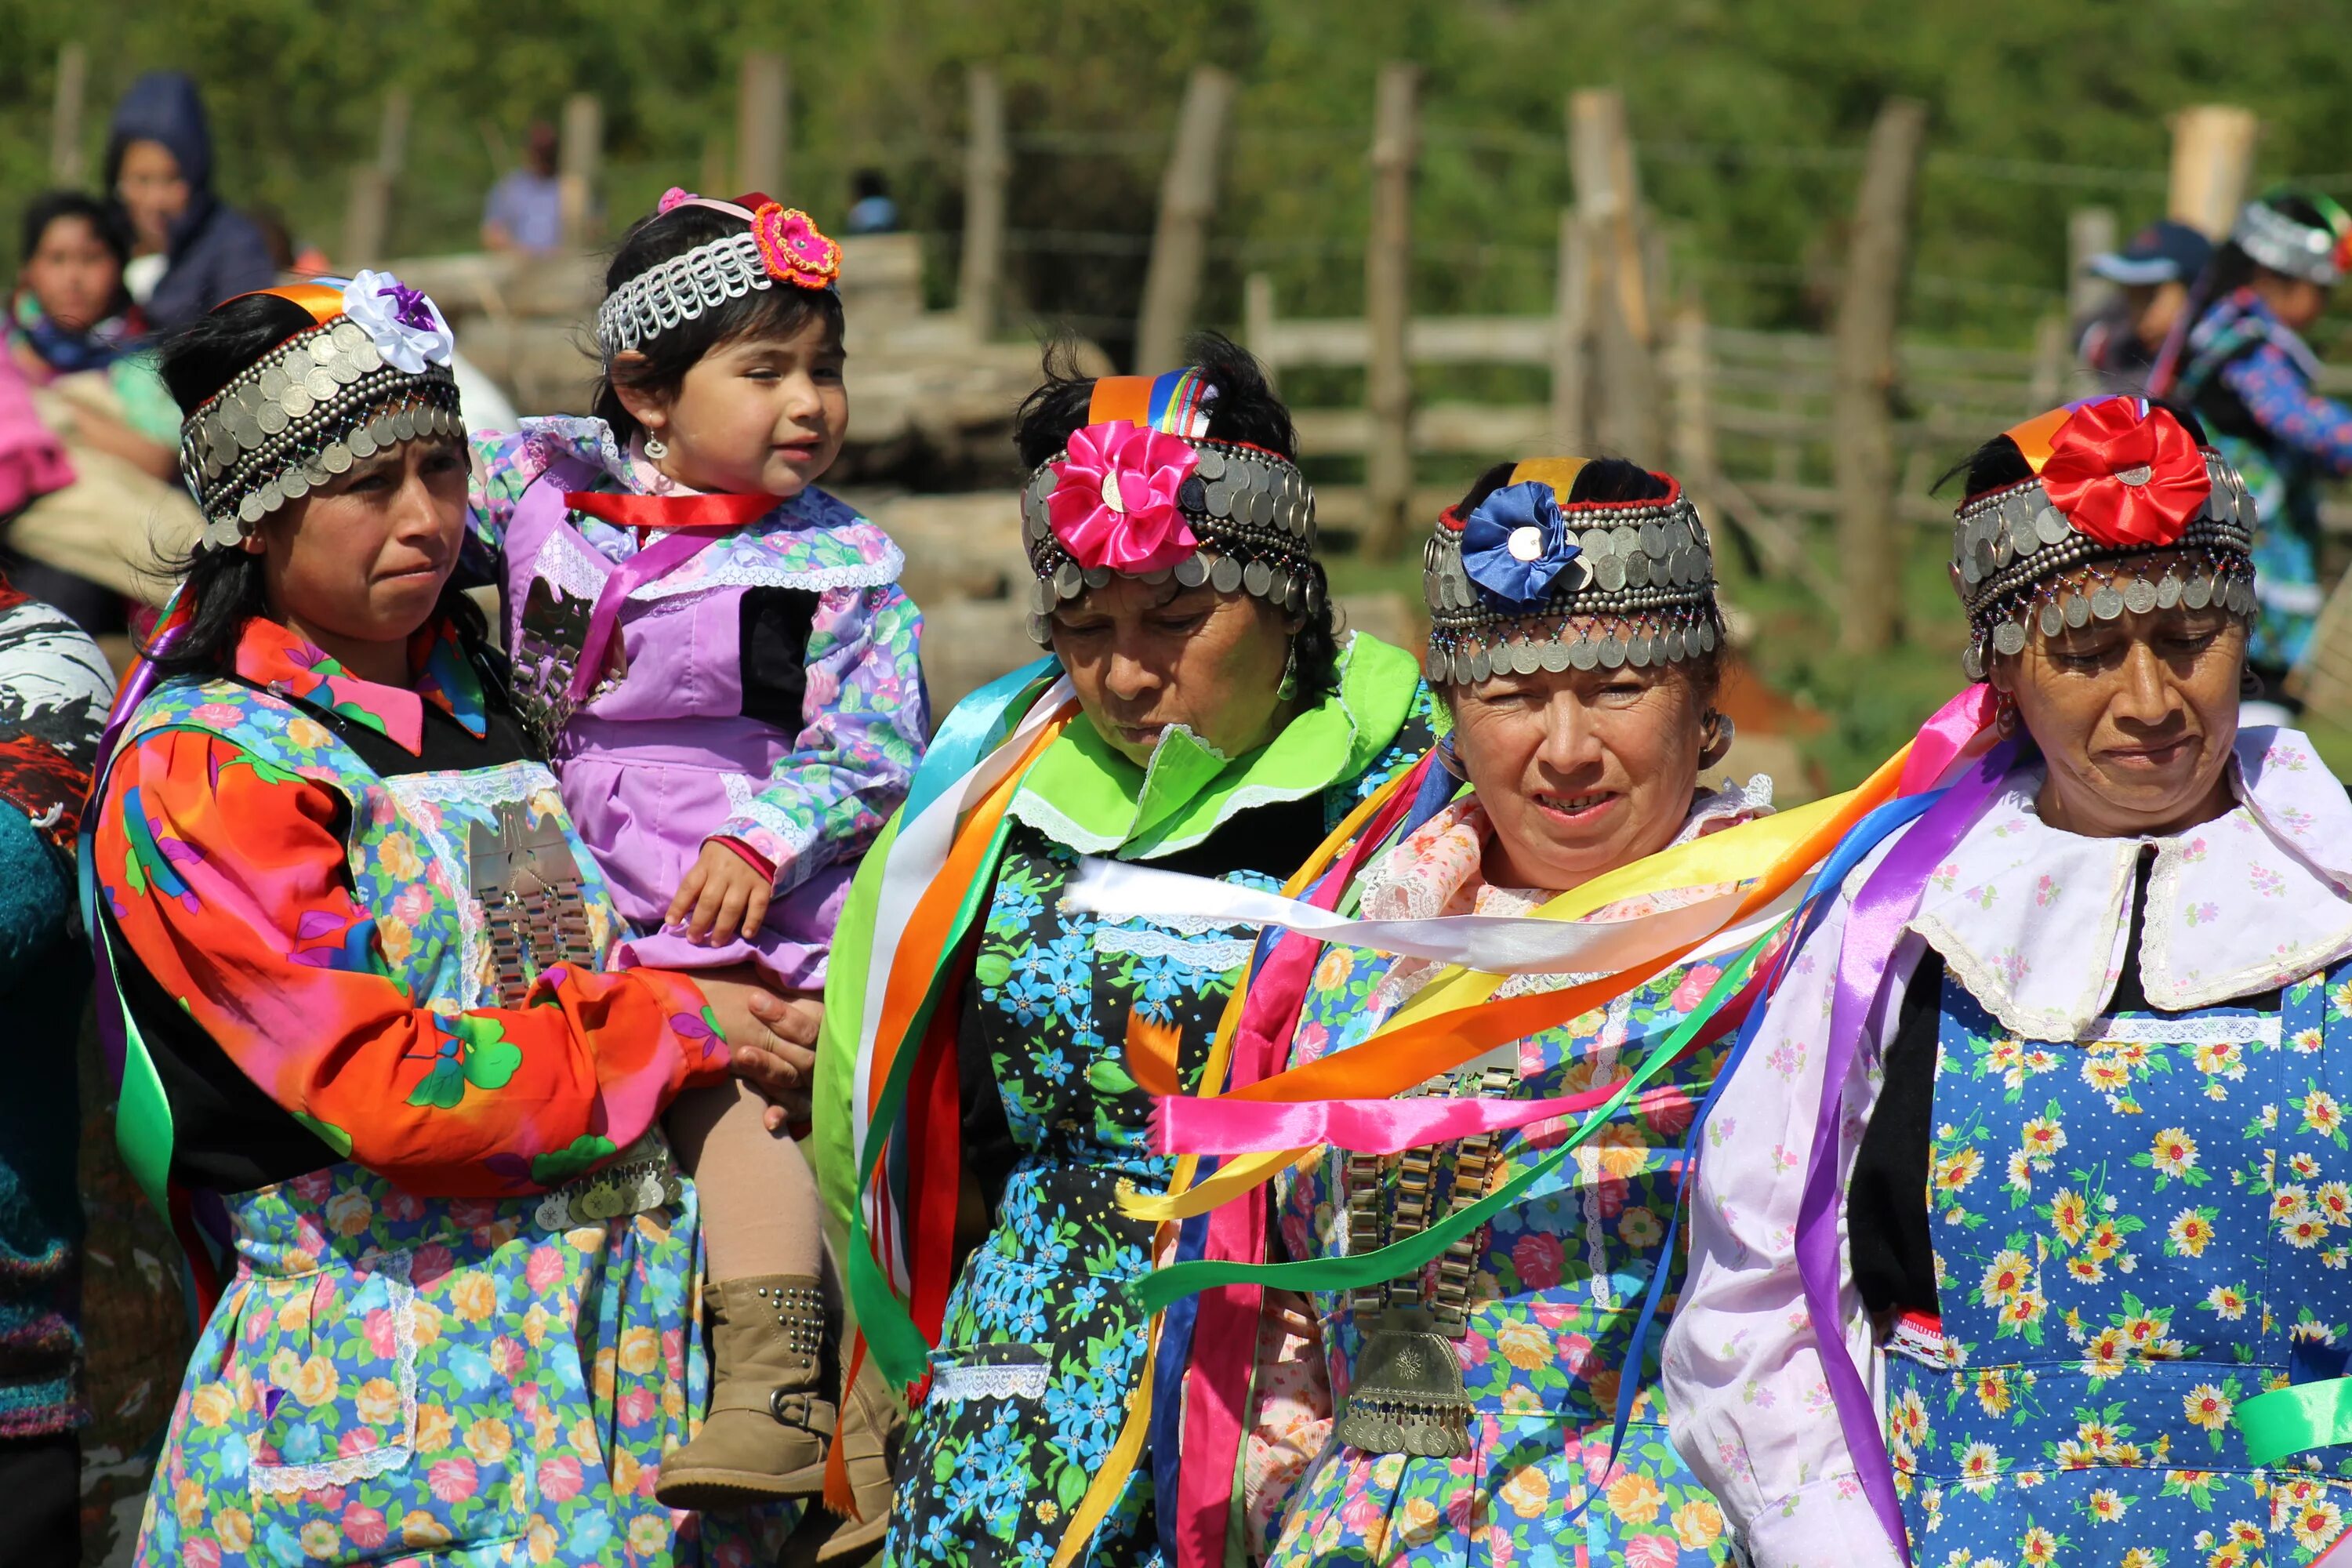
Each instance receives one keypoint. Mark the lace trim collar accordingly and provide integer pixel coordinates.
(2032, 921)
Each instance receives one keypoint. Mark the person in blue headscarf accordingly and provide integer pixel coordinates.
(192, 251)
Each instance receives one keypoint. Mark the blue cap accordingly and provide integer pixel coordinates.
(2165, 252)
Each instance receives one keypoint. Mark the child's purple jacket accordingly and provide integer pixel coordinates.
(767, 690)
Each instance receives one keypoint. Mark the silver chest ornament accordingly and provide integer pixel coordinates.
(523, 875)
(1407, 1394)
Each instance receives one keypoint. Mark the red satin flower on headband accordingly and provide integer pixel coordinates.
(1114, 499)
(792, 248)
(2125, 475)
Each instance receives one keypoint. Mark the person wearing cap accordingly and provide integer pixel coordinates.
(1577, 645)
(2154, 273)
(2247, 372)
(2027, 1242)
(1201, 711)
(357, 965)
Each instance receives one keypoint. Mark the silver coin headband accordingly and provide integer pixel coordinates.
(2288, 246)
(2019, 564)
(781, 244)
(1530, 581)
(368, 377)
(1124, 499)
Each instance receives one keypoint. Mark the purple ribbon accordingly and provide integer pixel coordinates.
(1881, 910)
(654, 561)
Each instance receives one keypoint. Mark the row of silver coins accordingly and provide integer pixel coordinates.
(2206, 537)
(304, 473)
(2017, 522)
(1448, 588)
(1467, 664)
(1288, 584)
(285, 386)
(2227, 586)
(367, 404)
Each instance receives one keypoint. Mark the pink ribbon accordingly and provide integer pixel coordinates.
(1224, 1332)
(1955, 727)
(1881, 910)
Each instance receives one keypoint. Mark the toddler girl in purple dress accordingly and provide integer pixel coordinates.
(719, 659)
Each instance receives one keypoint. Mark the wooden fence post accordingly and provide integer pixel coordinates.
(367, 209)
(1608, 194)
(2090, 231)
(2212, 157)
(578, 157)
(764, 113)
(64, 116)
(2048, 384)
(1571, 334)
(1257, 322)
(1188, 195)
(1869, 299)
(986, 168)
(1388, 277)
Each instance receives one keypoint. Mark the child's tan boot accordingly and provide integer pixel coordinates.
(771, 1410)
(872, 1423)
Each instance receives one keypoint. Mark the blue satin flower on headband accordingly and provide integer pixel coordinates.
(1516, 542)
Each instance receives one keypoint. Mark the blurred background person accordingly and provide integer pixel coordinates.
(2153, 276)
(874, 210)
(189, 251)
(525, 209)
(90, 547)
(2247, 372)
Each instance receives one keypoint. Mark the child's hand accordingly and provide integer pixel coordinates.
(726, 894)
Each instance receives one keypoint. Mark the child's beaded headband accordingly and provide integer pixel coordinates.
(2316, 254)
(1141, 491)
(1531, 580)
(372, 372)
(2125, 512)
(781, 245)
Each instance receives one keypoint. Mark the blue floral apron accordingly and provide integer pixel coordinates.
(2133, 1234)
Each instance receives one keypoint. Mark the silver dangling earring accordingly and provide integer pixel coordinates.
(1290, 686)
(657, 448)
(1717, 736)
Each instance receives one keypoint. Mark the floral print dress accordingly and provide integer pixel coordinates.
(487, 1375)
(1042, 1347)
(1559, 1277)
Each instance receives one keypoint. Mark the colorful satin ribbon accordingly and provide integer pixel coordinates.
(1874, 926)
(700, 521)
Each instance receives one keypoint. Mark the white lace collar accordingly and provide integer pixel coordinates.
(2035, 920)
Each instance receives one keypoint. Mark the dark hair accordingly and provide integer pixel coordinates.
(1245, 410)
(226, 588)
(1615, 479)
(104, 222)
(778, 311)
(868, 182)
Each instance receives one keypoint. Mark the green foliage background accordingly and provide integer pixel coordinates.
(1751, 115)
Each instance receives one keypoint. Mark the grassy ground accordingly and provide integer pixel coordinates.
(1851, 711)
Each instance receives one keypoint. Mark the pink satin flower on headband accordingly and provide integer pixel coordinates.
(670, 198)
(792, 248)
(1113, 500)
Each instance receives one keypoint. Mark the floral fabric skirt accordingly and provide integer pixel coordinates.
(390, 1378)
(1514, 1499)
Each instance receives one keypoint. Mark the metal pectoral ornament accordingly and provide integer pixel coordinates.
(523, 875)
(1407, 1395)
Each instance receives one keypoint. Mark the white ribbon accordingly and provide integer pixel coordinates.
(1492, 944)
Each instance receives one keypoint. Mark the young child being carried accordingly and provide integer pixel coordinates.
(719, 659)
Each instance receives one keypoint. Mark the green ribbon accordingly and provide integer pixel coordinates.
(1157, 1290)
(2289, 1420)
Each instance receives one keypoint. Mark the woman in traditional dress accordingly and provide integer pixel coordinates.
(360, 958)
(2031, 1187)
(1220, 726)
(1576, 646)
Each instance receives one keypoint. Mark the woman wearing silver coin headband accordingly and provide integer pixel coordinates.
(2028, 1243)
(1576, 643)
(1216, 723)
(355, 961)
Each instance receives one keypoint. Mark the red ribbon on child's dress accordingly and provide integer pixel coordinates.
(698, 520)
